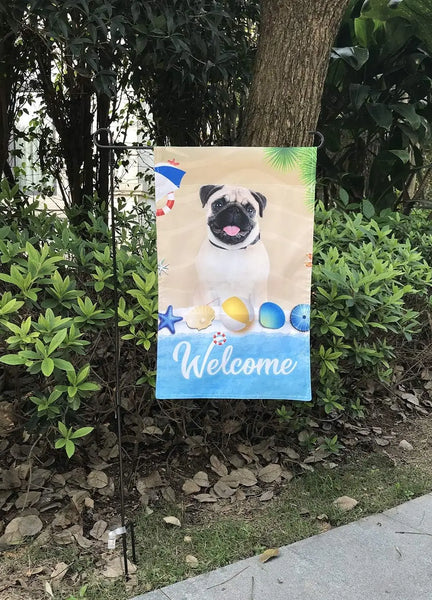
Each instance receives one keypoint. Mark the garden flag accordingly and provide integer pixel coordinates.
(234, 238)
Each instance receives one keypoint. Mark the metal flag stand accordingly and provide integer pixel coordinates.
(125, 525)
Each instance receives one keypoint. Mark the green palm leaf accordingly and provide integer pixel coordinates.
(307, 164)
(310, 197)
(282, 159)
(304, 159)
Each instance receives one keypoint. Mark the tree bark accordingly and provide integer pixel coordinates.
(294, 47)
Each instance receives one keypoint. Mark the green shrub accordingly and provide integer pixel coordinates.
(370, 294)
(370, 288)
(56, 310)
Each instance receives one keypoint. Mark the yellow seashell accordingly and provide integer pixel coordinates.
(200, 317)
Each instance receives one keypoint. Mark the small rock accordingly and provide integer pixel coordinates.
(405, 445)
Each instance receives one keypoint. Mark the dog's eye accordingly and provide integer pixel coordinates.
(250, 209)
(219, 203)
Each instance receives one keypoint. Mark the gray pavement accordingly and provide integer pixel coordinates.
(368, 559)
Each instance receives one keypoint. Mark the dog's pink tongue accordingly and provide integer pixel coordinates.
(231, 230)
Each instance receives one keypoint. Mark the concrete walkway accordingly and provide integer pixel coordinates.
(366, 560)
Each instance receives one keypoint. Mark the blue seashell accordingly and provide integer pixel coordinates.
(271, 316)
(300, 317)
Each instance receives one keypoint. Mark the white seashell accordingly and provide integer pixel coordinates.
(200, 317)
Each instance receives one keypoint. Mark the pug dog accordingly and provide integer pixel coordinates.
(232, 260)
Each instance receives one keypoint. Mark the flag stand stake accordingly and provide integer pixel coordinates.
(125, 526)
(111, 147)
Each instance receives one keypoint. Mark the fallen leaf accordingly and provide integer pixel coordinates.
(190, 487)
(217, 466)
(27, 499)
(98, 529)
(345, 503)
(292, 454)
(239, 495)
(168, 494)
(245, 477)
(97, 479)
(237, 461)
(39, 477)
(287, 475)
(34, 571)
(48, 589)
(78, 499)
(152, 430)
(268, 495)
(223, 490)
(230, 427)
(268, 554)
(231, 480)
(172, 521)
(152, 481)
(115, 568)
(201, 479)
(270, 473)
(21, 527)
(411, 398)
(82, 541)
(247, 453)
(192, 561)
(205, 498)
(382, 441)
(59, 571)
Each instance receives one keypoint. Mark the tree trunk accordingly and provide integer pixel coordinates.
(294, 47)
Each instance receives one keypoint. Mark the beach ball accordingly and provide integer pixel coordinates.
(300, 317)
(236, 314)
(271, 315)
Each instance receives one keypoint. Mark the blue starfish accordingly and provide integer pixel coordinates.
(168, 320)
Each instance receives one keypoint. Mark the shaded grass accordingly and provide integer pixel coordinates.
(218, 540)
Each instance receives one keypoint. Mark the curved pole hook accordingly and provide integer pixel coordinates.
(320, 136)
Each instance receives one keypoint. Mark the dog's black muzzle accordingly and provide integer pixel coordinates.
(229, 217)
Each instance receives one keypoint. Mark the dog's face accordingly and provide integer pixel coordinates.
(232, 215)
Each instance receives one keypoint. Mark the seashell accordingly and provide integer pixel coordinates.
(200, 317)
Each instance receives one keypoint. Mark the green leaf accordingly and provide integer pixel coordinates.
(368, 208)
(12, 359)
(63, 365)
(88, 386)
(408, 112)
(47, 366)
(354, 56)
(344, 197)
(381, 114)
(70, 448)
(81, 432)
(60, 443)
(57, 340)
(358, 94)
(403, 155)
(83, 374)
(63, 429)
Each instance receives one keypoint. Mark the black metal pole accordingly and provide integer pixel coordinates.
(117, 353)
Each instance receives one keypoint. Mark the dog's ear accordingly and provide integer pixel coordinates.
(262, 201)
(206, 191)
